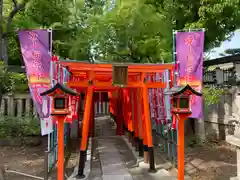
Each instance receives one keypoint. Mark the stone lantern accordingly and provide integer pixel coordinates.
(60, 109)
(181, 108)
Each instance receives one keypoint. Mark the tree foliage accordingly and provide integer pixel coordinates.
(230, 52)
(114, 30)
(212, 95)
(219, 17)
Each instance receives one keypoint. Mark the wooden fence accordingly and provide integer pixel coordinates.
(21, 105)
(17, 105)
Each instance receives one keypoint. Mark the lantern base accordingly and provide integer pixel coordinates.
(82, 159)
(152, 171)
(140, 148)
(152, 168)
(82, 176)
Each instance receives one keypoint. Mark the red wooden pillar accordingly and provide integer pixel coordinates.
(92, 118)
(79, 117)
(128, 110)
(60, 163)
(181, 118)
(148, 130)
(135, 119)
(85, 130)
(145, 138)
(119, 113)
(111, 104)
(124, 110)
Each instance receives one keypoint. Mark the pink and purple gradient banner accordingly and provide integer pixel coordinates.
(190, 52)
(35, 47)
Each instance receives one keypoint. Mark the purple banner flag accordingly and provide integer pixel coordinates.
(35, 51)
(190, 51)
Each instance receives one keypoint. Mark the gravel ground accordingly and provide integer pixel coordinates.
(28, 160)
(209, 161)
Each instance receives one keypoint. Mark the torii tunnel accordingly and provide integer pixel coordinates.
(122, 82)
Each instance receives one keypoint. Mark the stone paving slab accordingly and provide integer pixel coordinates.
(111, 161)
(117, 177)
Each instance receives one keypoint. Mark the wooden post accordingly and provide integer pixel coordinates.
(144, 131)
(134, 134)
(111, 105)
(85, 128)
(140, 122)
(119, 114)
(93, 119)
(135, 119)
(91, 128)
(128, 110)
(145, 140)
(46, 160)
(60, 162)
(79, 117)
(2, 173)
(181, 147)
(148, 127)
(124, 110)
(11, 105)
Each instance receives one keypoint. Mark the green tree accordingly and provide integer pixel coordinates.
(220, 18)
(230, 52)
(140, 31)
(29, 16)
(131, 31)
(136, 30)
(9, 9)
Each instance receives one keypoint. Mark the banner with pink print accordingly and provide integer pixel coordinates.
(35, 47)
(190, 51)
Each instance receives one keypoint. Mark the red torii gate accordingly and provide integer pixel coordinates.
(99, 77)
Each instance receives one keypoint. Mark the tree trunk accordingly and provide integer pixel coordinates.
(16, 8)
(1, 33)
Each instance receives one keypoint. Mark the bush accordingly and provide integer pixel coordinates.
(19, 127)
(15, 83)
(212, 95)
(12, 82)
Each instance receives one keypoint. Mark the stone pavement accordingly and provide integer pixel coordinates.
(112, 163)
(113, 159)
